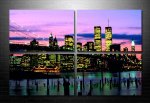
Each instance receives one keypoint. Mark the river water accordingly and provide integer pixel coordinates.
(88, 83)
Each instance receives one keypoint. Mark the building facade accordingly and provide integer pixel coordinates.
(79, 46)
(97, 38)
(69, 42)
(108, 37)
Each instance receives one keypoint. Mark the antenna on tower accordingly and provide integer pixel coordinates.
(108, 22)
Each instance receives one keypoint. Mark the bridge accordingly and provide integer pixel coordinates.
(135, 64)
(23, 32)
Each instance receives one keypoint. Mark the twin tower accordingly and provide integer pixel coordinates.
(98, 38)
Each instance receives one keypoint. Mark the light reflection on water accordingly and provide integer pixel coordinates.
(110, 88)
(55, 87)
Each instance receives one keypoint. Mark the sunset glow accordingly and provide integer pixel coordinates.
(28, 24)
(126, 25)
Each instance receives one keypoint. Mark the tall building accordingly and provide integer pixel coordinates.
(51, 40)
(58, 60)
(115, 47)
(55, 43)
(25, 61)
(34, 60)
(15, 61)
(67, 62)
(83, 62)
(97, 38)
(79, 46)
(85, 47)
(69, 42)
(90, 46)
(108, 37)
(125, 49)
(41, 59)
(132, 45)
(80, 62)
(52, 58)
(34, 43)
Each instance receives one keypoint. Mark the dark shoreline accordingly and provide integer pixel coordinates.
(36, 75)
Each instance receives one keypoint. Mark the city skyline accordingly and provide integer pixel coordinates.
(126, 25)
(26, 25)
(110, 35)
(54, 74)
(63, 62)
(103, 61)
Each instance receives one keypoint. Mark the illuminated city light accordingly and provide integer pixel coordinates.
(96, 73)
(133, 43)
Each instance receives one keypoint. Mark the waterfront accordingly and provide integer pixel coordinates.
(130, 84)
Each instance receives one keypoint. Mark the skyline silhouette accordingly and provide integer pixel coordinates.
(126, 25)
(39, 24)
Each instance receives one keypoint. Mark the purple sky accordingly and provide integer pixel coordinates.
(40, 23)
(122, 21)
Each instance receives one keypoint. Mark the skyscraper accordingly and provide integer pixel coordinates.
(108, 37)
(115, 47)
(90, 46)
(85, 47)
(79, 46)
(132, 45)
(67, 62)
(97, 38)
(55, 43)
(52, 59)
(58, 60)
(125, 49)
(69, 42)
(51, 41)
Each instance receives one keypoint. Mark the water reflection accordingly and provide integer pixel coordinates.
(54, 86)
(107, 83)
(88, 83)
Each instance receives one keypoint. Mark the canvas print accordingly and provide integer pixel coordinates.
(41, 74)
(109, 30)
(109, 52)
(41, 30)
(109, 74)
